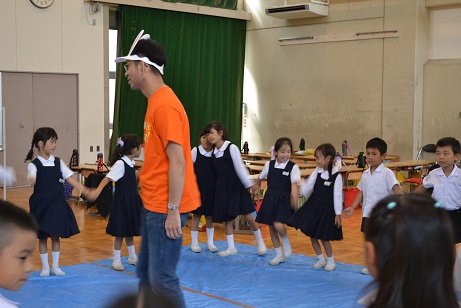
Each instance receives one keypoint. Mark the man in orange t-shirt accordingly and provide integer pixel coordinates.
(168, 186)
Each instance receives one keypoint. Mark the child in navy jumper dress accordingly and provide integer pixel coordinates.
(48, 203)
(203, 167)
(281, 197)
(231, 195)
(126, 211)
(320, 216)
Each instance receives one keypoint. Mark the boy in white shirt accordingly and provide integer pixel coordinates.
(376, 183)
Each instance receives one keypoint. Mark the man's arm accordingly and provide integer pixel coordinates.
(176, 175)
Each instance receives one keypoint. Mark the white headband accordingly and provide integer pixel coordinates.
(136, 57)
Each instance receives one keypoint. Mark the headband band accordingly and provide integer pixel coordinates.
(136, 57)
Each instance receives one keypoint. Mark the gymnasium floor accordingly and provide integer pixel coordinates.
(245, 280)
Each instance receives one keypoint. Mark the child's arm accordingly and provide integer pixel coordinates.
(93, 194)
(420, 189)
(349, 210)
(295, 178)
(256, 186)
(397, 189)
(338, 199)
(80, 188)
(294, 196)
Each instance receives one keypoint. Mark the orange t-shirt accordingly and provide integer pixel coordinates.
(166, 121)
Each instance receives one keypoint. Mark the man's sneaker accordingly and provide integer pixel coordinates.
(118, 266)
(262, 250)
(319, 264)
(132, 261)
(364, 271)
(212, 248)
(330, 266)
(195, 248)
(56, 271)
(277, 260)
(228, 252)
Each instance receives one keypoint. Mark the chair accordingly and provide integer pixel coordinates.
(414, 182)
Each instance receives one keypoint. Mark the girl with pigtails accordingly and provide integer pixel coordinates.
(125, 214)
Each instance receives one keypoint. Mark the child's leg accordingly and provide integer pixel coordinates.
(117, 263)
(274, 236)
(210, 234)
(194, 246)
(330, 258)
(132, 257)
(55, 254)
(283, 234)
(230, 241)
(42, 246)
(279, 258)
(318, 251)
(257, 232)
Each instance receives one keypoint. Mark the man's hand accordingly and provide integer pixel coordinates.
(173, 224)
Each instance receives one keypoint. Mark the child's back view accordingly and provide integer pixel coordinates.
(376, 183)
(18, 231)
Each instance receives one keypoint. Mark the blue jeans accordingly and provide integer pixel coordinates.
(159, 258)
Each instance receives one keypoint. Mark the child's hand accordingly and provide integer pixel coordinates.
(348, 212)
(338, 221)
(255, 188)
(90, 194)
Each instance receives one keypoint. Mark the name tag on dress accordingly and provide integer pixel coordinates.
(327, 183)
(286, 173)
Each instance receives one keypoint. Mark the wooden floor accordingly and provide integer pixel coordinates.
(94, 244)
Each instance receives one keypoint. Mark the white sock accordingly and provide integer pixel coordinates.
(278, 252)
(331, 259)
(55, 257)
(131, 252)
(44, 258)
(210, 235)
(230, 241)
(194, 235)
(321, 257)
(286, 243)
(117, 255)
(259, 237)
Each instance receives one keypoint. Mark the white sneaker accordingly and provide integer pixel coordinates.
(320, 264)
(330, 266)
(45, 272)
(287, 253)
(56, 271)
(118, 266)
(228, 252)
(133, 261)
(364, 271)
(262, 250)
(195, 248)
(277, 260)
(212, 248)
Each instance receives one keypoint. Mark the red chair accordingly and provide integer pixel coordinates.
(413, 183)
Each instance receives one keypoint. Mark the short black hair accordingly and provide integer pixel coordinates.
(153, 51)
(449, 141)
(11, 217)
(377, 143)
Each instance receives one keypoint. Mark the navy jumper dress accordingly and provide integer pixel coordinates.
(48, 203)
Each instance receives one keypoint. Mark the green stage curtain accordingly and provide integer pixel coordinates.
(223, 4)
(205, 63)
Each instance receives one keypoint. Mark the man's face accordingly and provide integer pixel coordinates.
(16, 259)
(133, 74)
